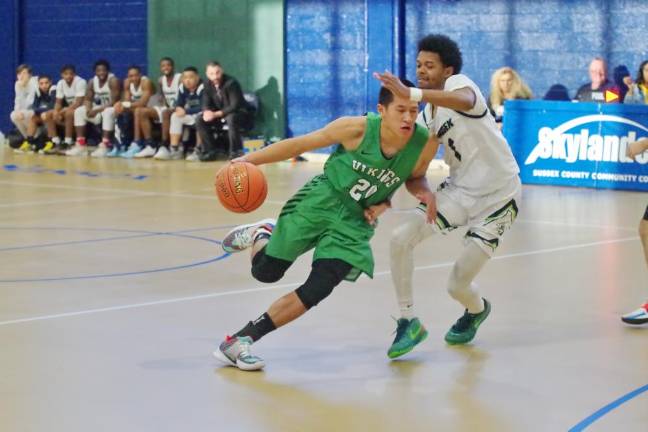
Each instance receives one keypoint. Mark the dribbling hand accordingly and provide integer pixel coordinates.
(429, 199)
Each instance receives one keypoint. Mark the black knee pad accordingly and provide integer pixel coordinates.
(325, 275)
(268, 269)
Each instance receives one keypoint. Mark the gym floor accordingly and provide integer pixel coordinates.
(115, 291)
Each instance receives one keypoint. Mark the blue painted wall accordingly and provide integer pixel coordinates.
(331, 49)
(51, 33)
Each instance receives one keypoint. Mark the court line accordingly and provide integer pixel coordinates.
(288, 285)
(573, 224)
(607, 408)
(63, 201)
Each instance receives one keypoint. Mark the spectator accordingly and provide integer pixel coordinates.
(138, 90)
(557, 92)
(43, 102)
(638, 90)
(187, 109)
(161, 109)
(506, 84)
(26, 87)
(70, 92)
(97, 109)
(620, 76)
(223, 105)
(595, 91)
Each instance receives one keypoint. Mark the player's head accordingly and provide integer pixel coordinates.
(44, 84)
(23, 73)
(68, 73)
(102, 69)
(214, 72)
(134, 74)
(398, 113)
(190, 77)
(438, 58)
(167, 66)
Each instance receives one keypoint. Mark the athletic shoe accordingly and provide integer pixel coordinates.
(242, 237)
(193, 157)
(25, 147)
(47, 148)
(162, 154)
(177, 153)
(133, 149)
(100, 152)
(637, 317)
(464, 330)
(409, 333)
(77, 150)
(235, 351)
(146, 153)
(114, 152)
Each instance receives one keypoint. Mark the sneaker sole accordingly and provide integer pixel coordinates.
(241, 227)
(635, 321)
(393, 355)
(223, 358)
(240, 365)
(479, 323)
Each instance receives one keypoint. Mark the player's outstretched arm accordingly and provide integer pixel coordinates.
(637, 147)
(462, 99)
(417, 183)
(346, 131)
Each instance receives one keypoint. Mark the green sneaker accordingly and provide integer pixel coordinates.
(464, 330)
(409, 333)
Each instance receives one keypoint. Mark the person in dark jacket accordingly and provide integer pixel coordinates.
(223, 105)
(43, 103)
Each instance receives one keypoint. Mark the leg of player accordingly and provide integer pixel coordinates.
(80, 120)
(640, 316)
(146, 118)
(409, 330)
(175, 132)
(166, 124)
(69, 127)
(107, 130)
(50, 122)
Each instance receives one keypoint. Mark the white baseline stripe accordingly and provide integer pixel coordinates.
(294, 284)
(64, 201)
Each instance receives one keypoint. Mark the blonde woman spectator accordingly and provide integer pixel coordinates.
(26, 88)
(638, 91)
(506, 84)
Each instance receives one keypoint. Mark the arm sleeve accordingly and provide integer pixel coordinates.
(235, 98)
(16, 97)
(205, 100)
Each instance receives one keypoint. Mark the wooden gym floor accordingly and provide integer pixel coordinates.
(114, 291)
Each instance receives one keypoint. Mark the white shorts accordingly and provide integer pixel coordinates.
(160, 112)
(106, 118)
(487, 217)
(177, 123)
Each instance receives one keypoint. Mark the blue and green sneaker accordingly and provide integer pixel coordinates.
(409, 333)
(464, 330)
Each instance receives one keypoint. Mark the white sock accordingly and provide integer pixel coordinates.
(407, 311)
(56, 140)
(68, 140)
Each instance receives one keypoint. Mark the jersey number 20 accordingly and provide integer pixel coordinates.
(358, 190)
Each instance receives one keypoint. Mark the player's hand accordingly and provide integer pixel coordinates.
(93, 112)
(393, 84)
(208, 116)
(429, 199)
(219, 114)
(19, 115)
(239, 159)
(119, 108)
(372, 213)
(180, 112)
(634, 149)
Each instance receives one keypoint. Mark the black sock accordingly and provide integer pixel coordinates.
(258, 328)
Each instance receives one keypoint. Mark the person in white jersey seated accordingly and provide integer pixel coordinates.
(25, 88)
(482, 192)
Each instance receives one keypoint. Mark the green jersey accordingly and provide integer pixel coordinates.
(365, 175)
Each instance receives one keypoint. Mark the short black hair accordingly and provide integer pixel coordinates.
(101, 62)
(213, 63)
(446, 48)
(137, 68)
(640, 78)
(68, 67)
(191, 69)
(23, 67)
(385, 97)
(45, 77)
(169, 59)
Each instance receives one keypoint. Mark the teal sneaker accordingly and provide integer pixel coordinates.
(464, 330)
(235, 351)
(409, 333)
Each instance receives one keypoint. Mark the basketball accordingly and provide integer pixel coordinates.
(241, 187)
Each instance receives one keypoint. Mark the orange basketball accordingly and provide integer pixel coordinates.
(241, 187)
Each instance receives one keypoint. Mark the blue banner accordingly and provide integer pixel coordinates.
(577, 144)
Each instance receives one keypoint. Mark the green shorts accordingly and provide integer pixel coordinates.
(318, 217)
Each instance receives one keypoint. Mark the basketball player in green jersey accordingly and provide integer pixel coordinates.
(334, 213)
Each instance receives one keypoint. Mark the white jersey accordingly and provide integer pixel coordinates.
(25, 95)
(72, 91)
(170, 92)
(136, 92)
(479, 157)
(102, 95)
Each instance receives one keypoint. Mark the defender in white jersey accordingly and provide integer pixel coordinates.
(70, 92)
(138, 90)
(481, 193)
(169, 85)
(97, 109)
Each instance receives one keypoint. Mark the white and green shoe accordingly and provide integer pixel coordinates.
(235, 351)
